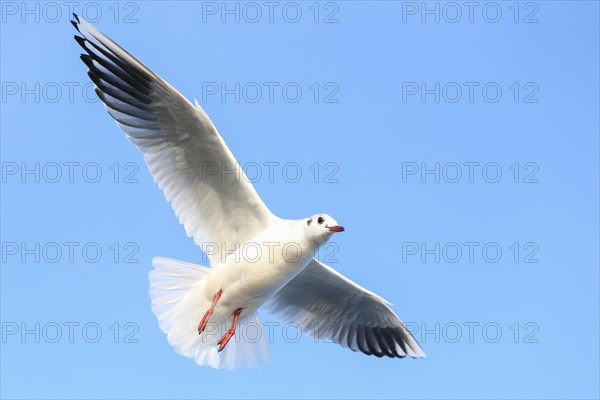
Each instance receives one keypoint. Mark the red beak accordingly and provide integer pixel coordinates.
(336, 228)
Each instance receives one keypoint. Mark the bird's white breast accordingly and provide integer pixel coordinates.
(256, 270)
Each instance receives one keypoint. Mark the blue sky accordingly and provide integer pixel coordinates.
(460, 154)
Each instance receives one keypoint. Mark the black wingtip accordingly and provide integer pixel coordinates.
(87, 60)
(81, 41)
(75, 22)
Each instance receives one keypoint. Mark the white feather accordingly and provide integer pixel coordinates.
(179, 302)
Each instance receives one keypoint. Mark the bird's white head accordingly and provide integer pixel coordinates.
(320, 227)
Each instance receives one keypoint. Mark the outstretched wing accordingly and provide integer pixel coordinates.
(185, 154)
(329, 305)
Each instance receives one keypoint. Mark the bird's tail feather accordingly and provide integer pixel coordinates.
(179, 303)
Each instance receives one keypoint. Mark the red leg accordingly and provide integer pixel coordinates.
(229, 334)
(202, 325)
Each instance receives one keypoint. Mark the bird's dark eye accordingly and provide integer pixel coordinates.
(321, 220)
(309, 221)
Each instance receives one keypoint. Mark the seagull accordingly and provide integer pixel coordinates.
(256, 258)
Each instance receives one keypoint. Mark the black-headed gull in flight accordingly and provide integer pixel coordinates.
(267, 260)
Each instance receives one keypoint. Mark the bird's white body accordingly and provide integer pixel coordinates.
(258, 269)
(247, 275)
(256, 257)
